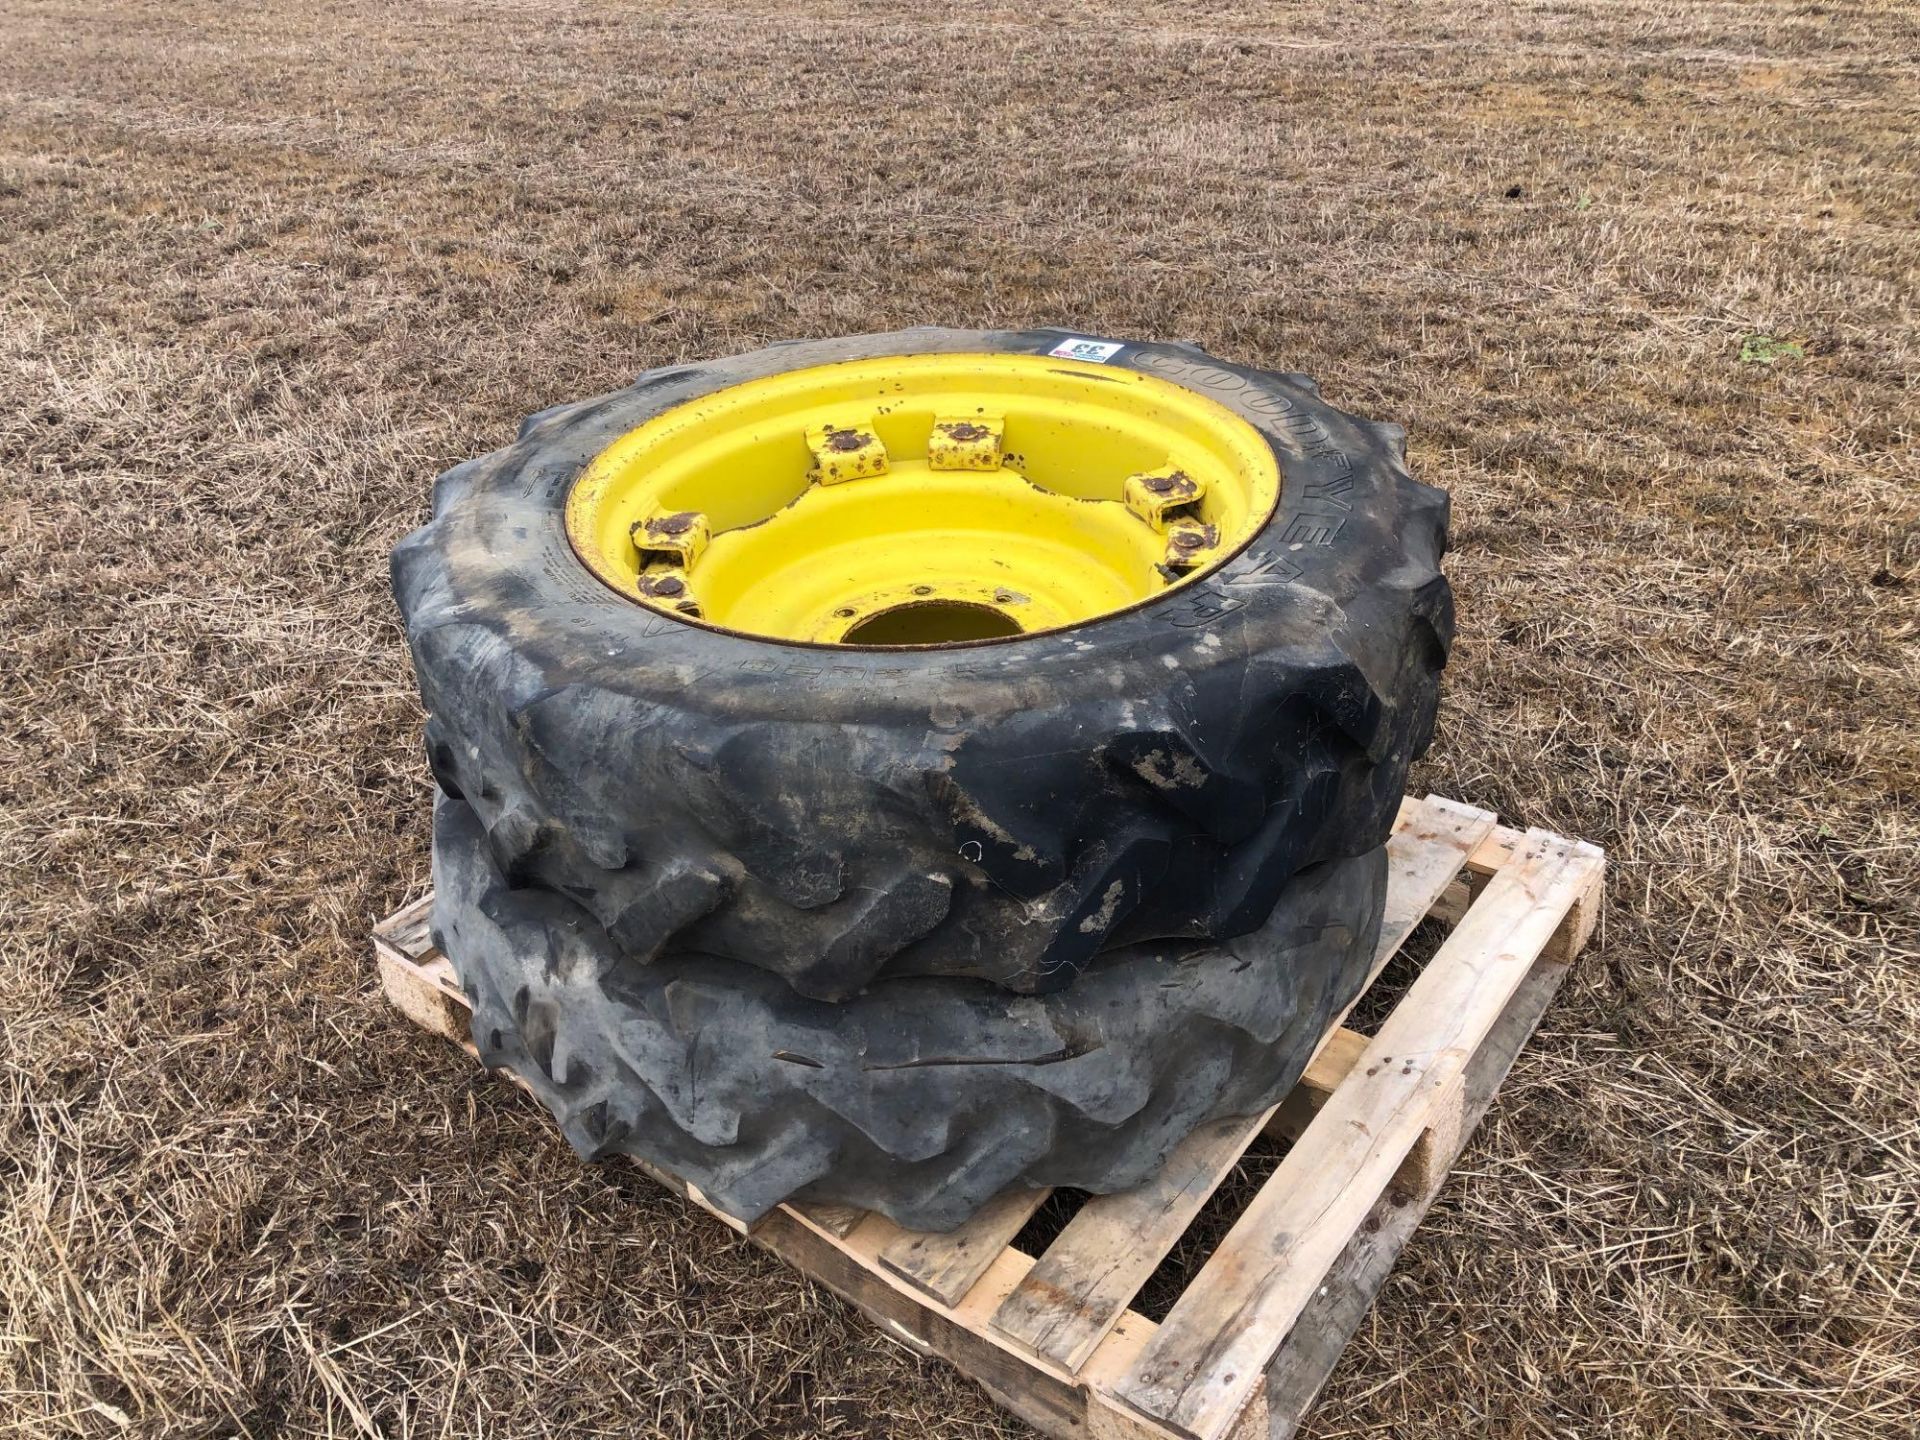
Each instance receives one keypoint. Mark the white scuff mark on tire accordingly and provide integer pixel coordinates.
(1103, 917)
(1170, 772)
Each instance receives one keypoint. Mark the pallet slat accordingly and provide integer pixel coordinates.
(1080, 1287)
(1305, 1359)
(836, 1220)
(947, 1265)
(1210, 1352)
(1426, 855)
(1045, 1399)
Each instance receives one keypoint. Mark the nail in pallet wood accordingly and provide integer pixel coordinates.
(1376, 1124)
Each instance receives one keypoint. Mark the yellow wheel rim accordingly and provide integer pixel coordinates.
(922, 500)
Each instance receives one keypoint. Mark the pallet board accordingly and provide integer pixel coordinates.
(1375, 1126)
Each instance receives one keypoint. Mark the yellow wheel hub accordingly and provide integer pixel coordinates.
(922, 500)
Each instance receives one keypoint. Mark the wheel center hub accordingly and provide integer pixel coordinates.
(922, 500)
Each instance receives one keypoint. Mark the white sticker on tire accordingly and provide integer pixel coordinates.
(1096, 351)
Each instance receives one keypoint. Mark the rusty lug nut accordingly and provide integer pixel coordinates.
(677, 524)
(1189, 539)
(845, 440)
(666, 585)
(966, 432)
(1158, 484)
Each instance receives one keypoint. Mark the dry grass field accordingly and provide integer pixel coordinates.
(265, 270)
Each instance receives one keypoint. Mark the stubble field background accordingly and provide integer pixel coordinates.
(265, 270)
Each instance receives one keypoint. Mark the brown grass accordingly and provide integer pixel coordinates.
(263, 272)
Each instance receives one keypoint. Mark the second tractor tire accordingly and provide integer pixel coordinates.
(921, 1098)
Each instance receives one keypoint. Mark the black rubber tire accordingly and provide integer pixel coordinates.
(1001, 810)
(921, 1098)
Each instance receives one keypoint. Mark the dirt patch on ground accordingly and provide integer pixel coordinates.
(265, 271)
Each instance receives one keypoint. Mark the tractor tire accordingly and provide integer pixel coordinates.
(921, 1098)
(1004, 811)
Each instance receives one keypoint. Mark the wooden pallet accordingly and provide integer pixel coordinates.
(1376, 1124)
